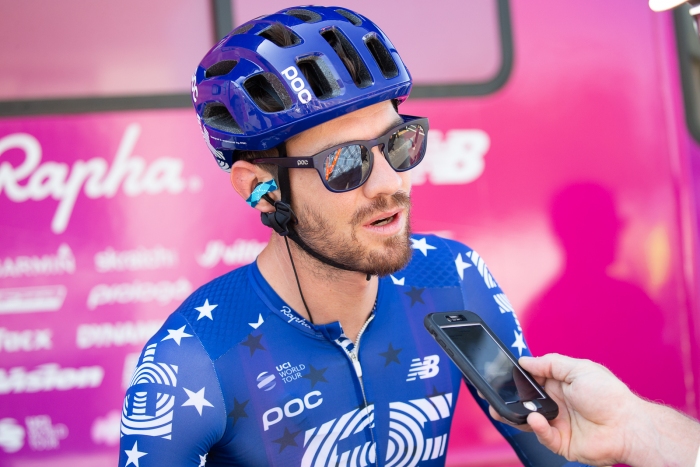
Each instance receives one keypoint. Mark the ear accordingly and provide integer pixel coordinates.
(245, 177)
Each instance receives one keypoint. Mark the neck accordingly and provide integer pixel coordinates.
(331, 294)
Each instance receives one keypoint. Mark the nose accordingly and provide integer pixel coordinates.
(383, 180)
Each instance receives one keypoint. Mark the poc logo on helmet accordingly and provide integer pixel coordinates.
(292, 75)
(302, 163)
(291, 409)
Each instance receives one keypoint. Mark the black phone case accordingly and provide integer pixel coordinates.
(515, 412)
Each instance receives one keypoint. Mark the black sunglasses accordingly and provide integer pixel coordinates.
(348, 165)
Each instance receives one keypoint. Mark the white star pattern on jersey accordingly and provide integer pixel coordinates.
(421, 245)
(134, 455)
(197, 400)
(461, 266)
(483, 270)
(205, 310)
(176, 334)
(154, 380)
(427, 368)
(202, 460)
(519, 343)
(259, 323)
(396, 281)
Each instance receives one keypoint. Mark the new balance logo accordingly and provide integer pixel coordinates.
(427, 368)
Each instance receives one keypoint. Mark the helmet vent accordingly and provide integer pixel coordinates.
(242, 29)
(349, 16)
(319, 77)
(217, 116)
(349, 56)
(381, 55)
(280, 35)
(221, 68)
(268, 92)
(306, 16)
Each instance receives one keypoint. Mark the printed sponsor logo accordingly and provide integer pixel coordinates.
(292, 75)
(289, 373)
(286, 311)
(43, 435)
(407, 444)
(131, 361)
(11, 435)
(36, 181)
(115, 334)
(426, 368)
(49, 377)
(453, 159)
(32, 299)
(266, 381)
(149, 403)
(323, 443)
(105, 430)
(25, 341)
(135, 260)
(63, 262)
(162, 292)
(291, 409)
(239, 252)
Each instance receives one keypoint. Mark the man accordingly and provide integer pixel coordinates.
(316, 353)
(601, 422)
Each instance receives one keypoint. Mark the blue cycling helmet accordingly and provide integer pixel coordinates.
(253, 91)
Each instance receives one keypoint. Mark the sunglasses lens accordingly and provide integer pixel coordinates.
(347, 167)
(406, 147)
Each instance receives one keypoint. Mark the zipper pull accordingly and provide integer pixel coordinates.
(356, 364)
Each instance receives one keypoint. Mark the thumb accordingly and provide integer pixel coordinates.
(547, 435)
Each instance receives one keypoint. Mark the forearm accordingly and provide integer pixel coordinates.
(662, 436)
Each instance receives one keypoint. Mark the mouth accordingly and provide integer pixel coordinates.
(385, 222)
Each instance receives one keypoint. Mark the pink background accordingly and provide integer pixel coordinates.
(576, 182)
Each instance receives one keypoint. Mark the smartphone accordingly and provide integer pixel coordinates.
(488, 364)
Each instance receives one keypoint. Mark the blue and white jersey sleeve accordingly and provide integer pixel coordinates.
(173, 411)
(482, 295)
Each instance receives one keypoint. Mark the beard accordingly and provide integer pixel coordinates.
(393, 255)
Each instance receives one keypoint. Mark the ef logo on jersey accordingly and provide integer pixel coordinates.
(427, 368)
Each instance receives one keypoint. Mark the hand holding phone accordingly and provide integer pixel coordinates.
(488, 365)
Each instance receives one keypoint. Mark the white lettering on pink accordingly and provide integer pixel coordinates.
(94, 177)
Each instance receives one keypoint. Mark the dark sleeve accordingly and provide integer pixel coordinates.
(482, 295)
(174, 410)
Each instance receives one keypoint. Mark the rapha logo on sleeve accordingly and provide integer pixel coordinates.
(32, 180)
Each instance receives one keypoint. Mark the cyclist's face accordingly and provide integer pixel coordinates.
(366, 228)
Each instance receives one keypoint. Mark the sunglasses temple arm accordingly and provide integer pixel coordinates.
(288, 162)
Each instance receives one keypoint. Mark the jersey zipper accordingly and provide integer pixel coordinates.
(354, 356)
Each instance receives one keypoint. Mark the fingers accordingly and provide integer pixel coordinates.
(552, 366)
(497, 417)
(546, 434)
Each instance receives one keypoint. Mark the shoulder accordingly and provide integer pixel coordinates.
(436, 261)
(217, 310)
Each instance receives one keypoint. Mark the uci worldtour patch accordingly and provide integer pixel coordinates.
(289, 373)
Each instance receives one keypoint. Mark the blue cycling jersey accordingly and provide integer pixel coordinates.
(236, 377)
